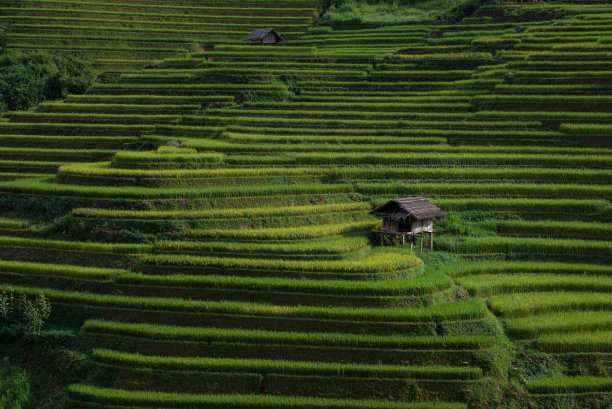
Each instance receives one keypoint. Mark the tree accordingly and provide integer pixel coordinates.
(30, 77)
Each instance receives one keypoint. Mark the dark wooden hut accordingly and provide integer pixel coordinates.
(264, 36)
(408, 216)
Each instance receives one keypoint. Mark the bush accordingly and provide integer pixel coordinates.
(23, 315)
(27, 78)
(490, 393)
(14, 389)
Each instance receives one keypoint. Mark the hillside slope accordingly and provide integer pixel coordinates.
(202, 224)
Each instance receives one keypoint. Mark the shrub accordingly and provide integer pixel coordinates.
(26, 315)
(30, 77)
(15, 391)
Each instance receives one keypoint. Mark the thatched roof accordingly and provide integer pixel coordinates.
(259, 33)
(418, 208)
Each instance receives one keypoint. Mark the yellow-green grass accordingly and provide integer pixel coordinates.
(437, 313)
(486, 285)
(139, 399)
(527, 304)
(47, 187)
(570, 384)
(168, 332)
(285, 367)
(578, 342)
(288, 233)
(377, 261)
(526, 267)
(564, 322)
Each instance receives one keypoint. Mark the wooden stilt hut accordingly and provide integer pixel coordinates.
(264, 36)
(408, 216)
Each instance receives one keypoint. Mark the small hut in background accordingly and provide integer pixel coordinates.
(264, 36)
(408, 216)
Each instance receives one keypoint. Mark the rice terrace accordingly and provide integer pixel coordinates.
(305, 204)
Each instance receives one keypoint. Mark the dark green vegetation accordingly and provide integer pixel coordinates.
(30, 77)
(14, 389)
(198, 217)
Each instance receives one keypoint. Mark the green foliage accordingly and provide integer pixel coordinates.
(403, 106)
(22, 314)
(15, 389)
(532, 364)
(454, 224)
(491, 393)
(350, 14)
(27, 78)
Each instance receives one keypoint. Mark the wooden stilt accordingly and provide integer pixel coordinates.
(411, 241)
(431, 240)
(421, 241)
(382, 239)
(403, 239)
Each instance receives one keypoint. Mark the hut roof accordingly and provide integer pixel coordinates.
(418, 207)
(260, 33)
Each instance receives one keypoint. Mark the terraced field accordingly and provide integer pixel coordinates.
(201, 224)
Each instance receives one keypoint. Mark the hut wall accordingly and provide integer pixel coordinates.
(422, 226)
(390, 225)
(416, 226)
